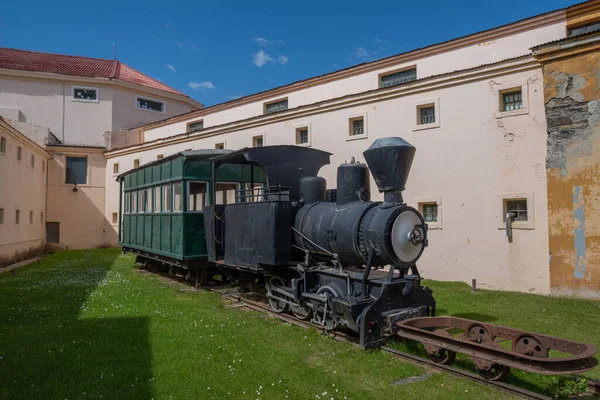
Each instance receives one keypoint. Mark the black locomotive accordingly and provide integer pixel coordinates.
(323, 253)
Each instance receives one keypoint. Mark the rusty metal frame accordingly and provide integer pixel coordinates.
(434, 333)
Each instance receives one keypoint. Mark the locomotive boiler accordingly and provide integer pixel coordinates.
(346, 262)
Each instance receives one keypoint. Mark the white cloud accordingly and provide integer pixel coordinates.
(172, 68)
(270, 80)
(363, 54)
(261, 58)
(202, 85)
(179, 44)
(377, 40)
(195, 48)
(266, 42)
(187, 47)
(170, 27)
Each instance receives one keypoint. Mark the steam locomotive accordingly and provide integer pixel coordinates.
(332, 257)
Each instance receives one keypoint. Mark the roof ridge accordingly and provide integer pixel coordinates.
(54, 54)
(115, 70)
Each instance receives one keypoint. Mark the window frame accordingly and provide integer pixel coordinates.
(73, 98)
(19, 154)
(138, 162)
(157, 207)
(207, 197)
(32, 160)
(117, 166)
(115, 218)
(350, 128)
(222, 144)
(508, 92)
(426, 103)
(164, 104)
(422, 201)
(167, 188)
(67, 170)
(300, 127)
(160, 156)
(508, 87)
(3, 145)
(237, 189)
(1, 216)
(393, 72)
(504, 198)
(30, 217)
(270, 103)
(256, 137)
(17, 216)
(189, 124)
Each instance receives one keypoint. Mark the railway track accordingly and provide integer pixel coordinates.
(238, 299)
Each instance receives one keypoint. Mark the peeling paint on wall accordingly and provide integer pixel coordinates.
(579, 233)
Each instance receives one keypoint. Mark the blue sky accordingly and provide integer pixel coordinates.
(216, 51)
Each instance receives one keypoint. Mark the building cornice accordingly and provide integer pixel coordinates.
(75, 149)
(90, 81)
(393, 61)
(519, 64)
(9, 130)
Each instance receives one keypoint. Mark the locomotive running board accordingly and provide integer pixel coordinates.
(481, 341)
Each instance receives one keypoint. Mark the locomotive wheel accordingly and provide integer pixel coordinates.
(495, 372)
(479, 334)
(302, 311)
(330, 319)
(276, 305)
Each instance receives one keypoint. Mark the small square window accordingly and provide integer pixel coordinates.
(357, 126)
(2, 144)
(33, 161)
(19, 153)
(160, 156)
(258, 141)
(430, 212)
(85, 94)
(115, 218)
(518, 207)
(17, 216)
(302, 135)
(31, 217)
(115, 168)
(426, 114)
(1, 215)
(220, 146)
(276, 106)
(512, 100)
(195, 126)
(136, 163)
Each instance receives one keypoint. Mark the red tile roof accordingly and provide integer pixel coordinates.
(25, 60)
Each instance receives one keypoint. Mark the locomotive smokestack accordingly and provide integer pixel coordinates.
(389, 160)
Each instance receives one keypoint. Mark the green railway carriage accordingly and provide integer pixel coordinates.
(161, 205)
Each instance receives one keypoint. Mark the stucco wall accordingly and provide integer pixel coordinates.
(468, 163)
(573, 112)
(22, 187)
(80, 213)
(466, 57)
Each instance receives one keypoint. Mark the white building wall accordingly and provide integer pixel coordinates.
(467, 164)
(466, 57)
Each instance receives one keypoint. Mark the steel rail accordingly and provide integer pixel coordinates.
(340, 336)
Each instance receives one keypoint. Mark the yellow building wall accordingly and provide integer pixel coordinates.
(571, 90)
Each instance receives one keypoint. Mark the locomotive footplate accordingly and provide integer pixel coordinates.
(495, 349)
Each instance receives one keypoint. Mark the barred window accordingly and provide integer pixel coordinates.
(301, 135)
(195, 126)
(580, 30)
(430, 212)
(150, 104)
(357, 126)
(398, 78)
(517, 207)
(275, 106)
(512, 100)
(258, 141)
(86, 94)
(427, 114)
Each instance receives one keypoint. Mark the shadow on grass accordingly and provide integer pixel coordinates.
(468, 315)
(47, 351)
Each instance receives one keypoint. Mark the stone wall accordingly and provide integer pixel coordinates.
(571, 89)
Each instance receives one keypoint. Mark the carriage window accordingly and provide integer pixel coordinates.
(148, 200)
(126, 203)
(167, 198)
(178, 197)
(225, 193)
(141, 201)
(133, 201)
(256, 194)
(157, 202)
(196, 196)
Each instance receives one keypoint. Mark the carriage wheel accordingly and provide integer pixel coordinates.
(302, 311)
(495, 372)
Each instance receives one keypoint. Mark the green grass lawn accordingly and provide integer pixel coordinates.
(85, 324)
